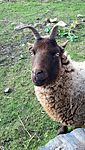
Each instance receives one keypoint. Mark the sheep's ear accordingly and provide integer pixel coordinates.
(30, 47)
(64, 44)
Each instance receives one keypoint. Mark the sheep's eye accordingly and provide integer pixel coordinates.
(57, 54)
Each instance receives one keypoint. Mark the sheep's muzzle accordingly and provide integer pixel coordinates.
(39, 77)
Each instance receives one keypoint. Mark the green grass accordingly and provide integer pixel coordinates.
(21, 115)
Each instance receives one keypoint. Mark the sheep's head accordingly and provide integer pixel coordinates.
(45, 61)
(46, 57)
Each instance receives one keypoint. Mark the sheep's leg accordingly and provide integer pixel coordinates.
(63, 130)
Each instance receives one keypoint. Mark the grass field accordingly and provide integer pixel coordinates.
(23, 123)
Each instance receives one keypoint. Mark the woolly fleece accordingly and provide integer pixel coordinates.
(64, 99)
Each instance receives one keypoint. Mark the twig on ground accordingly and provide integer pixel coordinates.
(24, 127)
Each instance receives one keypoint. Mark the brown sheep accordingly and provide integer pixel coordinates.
(59, 82)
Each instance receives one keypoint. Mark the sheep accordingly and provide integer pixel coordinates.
(59, 82)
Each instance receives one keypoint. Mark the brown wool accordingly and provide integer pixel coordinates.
(64, 99)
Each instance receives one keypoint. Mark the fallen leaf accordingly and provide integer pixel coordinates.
(80, 16)
(53, 20)
(61, 24)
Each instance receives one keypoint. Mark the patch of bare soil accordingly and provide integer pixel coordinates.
(12, 52)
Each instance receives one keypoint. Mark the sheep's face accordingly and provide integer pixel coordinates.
(46, 61)
(46, 56)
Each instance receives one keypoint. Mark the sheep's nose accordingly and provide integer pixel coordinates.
(39, 77)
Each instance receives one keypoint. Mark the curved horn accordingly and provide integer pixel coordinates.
(54, 32)
(35, 32)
